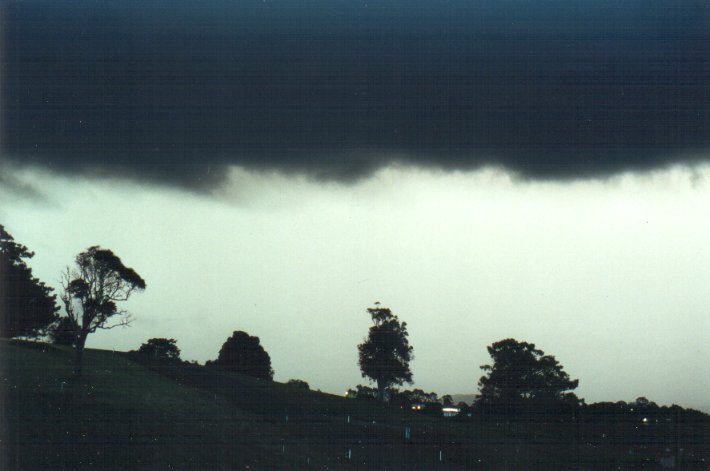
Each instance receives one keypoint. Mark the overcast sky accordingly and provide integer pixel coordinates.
(610, 276)
(535, 170)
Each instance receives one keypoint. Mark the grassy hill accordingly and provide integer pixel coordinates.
(128, 415)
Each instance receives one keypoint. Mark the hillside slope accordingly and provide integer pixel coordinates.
(124, 414)
(120, 415)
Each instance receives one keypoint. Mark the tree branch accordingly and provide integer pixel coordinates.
(125, 322)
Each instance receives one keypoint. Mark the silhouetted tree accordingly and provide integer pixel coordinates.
(447, 400)
(161, 349)
(464, 409)
(242, 353)
(523, 377)
(27, 305)
(91, 291)
(642, 402)
(406, 398)
(385, 354)
(365, 392)
(298, 383)
(64, 332)
(419, 395)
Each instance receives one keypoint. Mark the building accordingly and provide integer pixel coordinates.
(450, 411)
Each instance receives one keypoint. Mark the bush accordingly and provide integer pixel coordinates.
(64, 332)
(298, 383)
(161, 349)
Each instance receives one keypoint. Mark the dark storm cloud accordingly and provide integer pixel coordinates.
(177, 90)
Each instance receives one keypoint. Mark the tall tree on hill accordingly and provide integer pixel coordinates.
(242, 353)
(92, 290)
(27, 305)
(523, 377)
(386, 353)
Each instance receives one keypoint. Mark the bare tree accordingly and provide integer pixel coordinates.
(91, 292)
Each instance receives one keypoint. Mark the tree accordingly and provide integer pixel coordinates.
(406, 398)
(523, 377)
(298, 383)
(92, 291)
(242, 353)
(464, 409)
(64, 332)
(27, 305)
(160, 349)
(385, 354)
(364, 392)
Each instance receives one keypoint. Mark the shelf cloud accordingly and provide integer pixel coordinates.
(177, 91)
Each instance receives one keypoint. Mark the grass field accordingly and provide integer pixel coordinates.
(127, 415)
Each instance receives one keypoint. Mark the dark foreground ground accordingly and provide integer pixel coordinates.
(125, 415)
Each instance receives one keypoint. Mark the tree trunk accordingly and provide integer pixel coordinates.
(79, 360)
(381, 390)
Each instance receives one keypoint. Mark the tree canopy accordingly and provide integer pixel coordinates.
(243, 353)
(27, 305)
(386, 353)
(64, 332)
(298, 383)
(92, 290)
(523, 377)
(160, 349)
